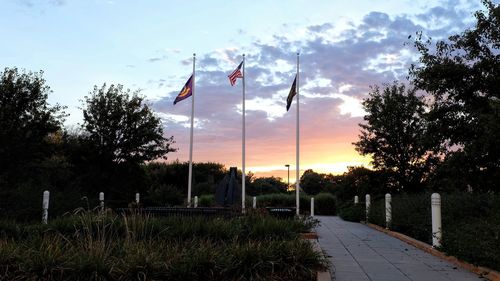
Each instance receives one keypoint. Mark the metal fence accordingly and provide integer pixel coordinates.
(181, 211)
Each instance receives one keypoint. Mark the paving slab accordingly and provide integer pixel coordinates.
(358, 252)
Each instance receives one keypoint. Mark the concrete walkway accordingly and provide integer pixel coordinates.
(358, 252)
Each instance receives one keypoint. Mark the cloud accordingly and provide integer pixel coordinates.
(337, 66)
(320, 28)
(34, 3)
(155, 59)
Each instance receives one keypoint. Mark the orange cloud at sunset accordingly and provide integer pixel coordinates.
(325, 148)
(336, 70)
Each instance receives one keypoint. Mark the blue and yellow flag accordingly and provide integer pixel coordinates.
(186, 91)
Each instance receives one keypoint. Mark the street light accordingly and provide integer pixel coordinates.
(288, 166)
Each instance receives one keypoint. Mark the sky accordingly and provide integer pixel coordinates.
(345, 47)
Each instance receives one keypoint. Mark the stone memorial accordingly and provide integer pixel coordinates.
(228, 192)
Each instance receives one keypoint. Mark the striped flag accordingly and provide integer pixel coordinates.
(235, 75)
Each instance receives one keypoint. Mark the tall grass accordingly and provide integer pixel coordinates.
(103, 246)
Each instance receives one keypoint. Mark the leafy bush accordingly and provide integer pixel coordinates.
(376, 212)
(165, 195)
(203, 188)
(352, 212)
(471, 227)
(206, 201)
(474, 240)
(325, 204)
(281, 200)
(411, 215)
(471, 223)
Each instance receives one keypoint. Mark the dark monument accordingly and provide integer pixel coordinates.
(228, 191)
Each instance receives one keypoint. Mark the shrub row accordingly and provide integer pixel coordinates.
(471, 223)
(350, 212)
(324, 203)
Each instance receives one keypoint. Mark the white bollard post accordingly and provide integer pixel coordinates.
(356, 200)
(254, 203)
(45, 206)
(312, 206)
(367, 202)
(388, 210)
(137, 198)
(101, 200)
(436, 220)
(196, 201)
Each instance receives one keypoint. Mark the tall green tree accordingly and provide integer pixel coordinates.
(311, 182)
(122, 127)
(206, 176)
(120, 132)
(27, 122)
(463, 76)
(361, 181)
(395, 134)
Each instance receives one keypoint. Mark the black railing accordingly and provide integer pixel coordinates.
(282, 212)
(180, 211)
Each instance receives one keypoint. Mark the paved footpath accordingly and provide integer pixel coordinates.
(359, 253)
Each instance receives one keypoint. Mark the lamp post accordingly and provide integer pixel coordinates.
(288, 166)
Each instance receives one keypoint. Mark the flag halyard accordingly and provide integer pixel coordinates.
(235, 74)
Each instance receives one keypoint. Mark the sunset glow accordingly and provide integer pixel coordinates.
(345, 48)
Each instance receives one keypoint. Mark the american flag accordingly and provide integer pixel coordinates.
(235, 75)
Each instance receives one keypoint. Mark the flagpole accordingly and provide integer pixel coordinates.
(243, 191)
(297, 181)
(190, 177)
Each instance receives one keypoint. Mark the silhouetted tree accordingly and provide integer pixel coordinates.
(361, 181)
(120, 132)
(122, 127)
(311, 182)
(463, 76)
(396, 134)
(27, 122)
(266, 185)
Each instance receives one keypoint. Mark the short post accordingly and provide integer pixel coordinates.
(196, 201)
(367, 202)
(254, 203)
(312, 206)
(436, 220)
(388, 210)
(356, 200)
(101, 200)
(137, 198)
(45, 206)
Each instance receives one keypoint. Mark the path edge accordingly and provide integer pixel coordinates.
(320, 275)
(483, 272)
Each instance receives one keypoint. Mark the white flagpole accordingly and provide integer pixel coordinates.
(297, 184)
(190, 177)
(243, 193)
